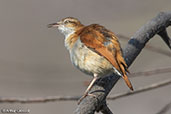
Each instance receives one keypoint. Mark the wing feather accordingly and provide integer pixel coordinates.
(105, 43)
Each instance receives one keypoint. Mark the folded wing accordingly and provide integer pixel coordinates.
(106, 44)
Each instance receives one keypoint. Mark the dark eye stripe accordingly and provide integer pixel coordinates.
(72, 21)
(65, 22)
(68, 21)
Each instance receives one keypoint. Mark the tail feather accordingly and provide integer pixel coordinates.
(127, 81)
(123, 69)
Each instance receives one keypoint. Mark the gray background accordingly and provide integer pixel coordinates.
(35, 63)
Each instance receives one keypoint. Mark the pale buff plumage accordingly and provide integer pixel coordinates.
(88, 61)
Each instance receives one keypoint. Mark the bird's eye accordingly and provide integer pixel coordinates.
(66, 22)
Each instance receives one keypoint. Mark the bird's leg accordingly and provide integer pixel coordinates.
(88, 89)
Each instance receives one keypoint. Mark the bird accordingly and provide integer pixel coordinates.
(93, 49)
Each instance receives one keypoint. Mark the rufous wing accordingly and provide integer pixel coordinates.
(105, 43)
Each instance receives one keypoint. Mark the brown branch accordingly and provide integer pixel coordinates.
(102, 87)
(165, 109)
(75, 98)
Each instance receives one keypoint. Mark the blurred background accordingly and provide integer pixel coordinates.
(35, 63)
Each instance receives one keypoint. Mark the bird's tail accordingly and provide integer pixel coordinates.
(127, 81)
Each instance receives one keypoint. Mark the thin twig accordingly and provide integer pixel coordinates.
(165, 109)
(158, 50)
(74, 98)
(38, 100)
(143, 89)
(151, 72)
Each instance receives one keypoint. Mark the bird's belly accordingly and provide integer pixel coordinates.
(89, 61)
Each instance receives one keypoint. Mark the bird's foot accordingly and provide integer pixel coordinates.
(85, 95)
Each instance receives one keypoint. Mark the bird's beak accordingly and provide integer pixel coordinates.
(52, 25)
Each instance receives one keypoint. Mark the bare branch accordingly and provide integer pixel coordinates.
(144, 34)
(165, 109)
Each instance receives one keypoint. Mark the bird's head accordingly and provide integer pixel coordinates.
(67, 25)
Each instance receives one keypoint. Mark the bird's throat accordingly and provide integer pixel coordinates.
(70, 39)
